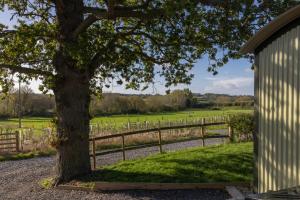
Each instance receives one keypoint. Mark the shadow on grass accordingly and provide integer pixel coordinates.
(193, 166)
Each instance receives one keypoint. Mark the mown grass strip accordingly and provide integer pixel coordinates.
(40, 122)
(27, 155)
(224, 163)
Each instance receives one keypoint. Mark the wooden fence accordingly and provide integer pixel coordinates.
(102, 128)
(33, 138)
(9, 142)
(158, 130)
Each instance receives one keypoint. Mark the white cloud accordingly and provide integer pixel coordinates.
(211, 78)
(239, 85)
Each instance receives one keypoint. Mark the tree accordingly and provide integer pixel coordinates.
(41, 105)
(156, 103)
(136, 104)
(26, 98)
(244, 101)
(223, 100)
(74, 46)
(191, 100)
(178, 99)
(8, 102)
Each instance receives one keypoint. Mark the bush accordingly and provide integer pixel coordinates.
(242, 127)
(4, 116)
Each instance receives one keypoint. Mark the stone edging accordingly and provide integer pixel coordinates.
(119, 186)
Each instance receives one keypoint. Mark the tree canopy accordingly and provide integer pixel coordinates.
(128, 40)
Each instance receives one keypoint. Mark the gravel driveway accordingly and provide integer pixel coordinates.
(19, 180)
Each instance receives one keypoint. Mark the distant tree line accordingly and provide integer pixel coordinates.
(29, 103)
(33, 104)
(210, 100)
(128, 104)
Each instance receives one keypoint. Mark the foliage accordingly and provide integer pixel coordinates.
(47, 183)
(195, 165)
(135, 41)
(223, 100)
(4, 116)
(242, 125)
(244, 101)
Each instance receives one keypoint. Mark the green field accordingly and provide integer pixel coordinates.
(40, 122)
(224, 163)
(26, 155)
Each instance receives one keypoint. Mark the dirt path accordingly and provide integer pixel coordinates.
(19, 180)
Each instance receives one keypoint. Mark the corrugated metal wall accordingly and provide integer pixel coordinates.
(278, 98)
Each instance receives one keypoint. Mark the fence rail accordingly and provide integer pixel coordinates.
(38, 138)
(159, 143)
(9, 142)
(108, 128)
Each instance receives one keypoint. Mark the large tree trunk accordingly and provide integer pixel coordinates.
(72, 96)
(72, 104)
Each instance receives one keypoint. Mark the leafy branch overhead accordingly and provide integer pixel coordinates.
(127, 40)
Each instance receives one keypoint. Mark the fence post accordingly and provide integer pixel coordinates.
(128, 125)
(203, 132)
(123, 147)
(159, 138)
(230, 133)
(98, 129)
(94, 153)
(17, 142)
(160, 145)
(159, 141)
(21, 136)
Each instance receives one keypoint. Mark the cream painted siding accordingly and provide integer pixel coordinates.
(278, 98)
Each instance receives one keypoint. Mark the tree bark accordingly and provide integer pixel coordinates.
(72, 104)
(72, 96)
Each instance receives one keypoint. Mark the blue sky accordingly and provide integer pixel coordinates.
(235, 78)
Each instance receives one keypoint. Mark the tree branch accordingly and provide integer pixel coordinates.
(142, 6)
(96, 58)
(213, 3)
(143, 15)
(95, 10)
(143, 54)
(25, 70)
(118, 12)
(84, 25)
(121, 12)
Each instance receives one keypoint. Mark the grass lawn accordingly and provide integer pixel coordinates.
(224, 163)
(41, 122)
(27, 122)
(22, 156)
